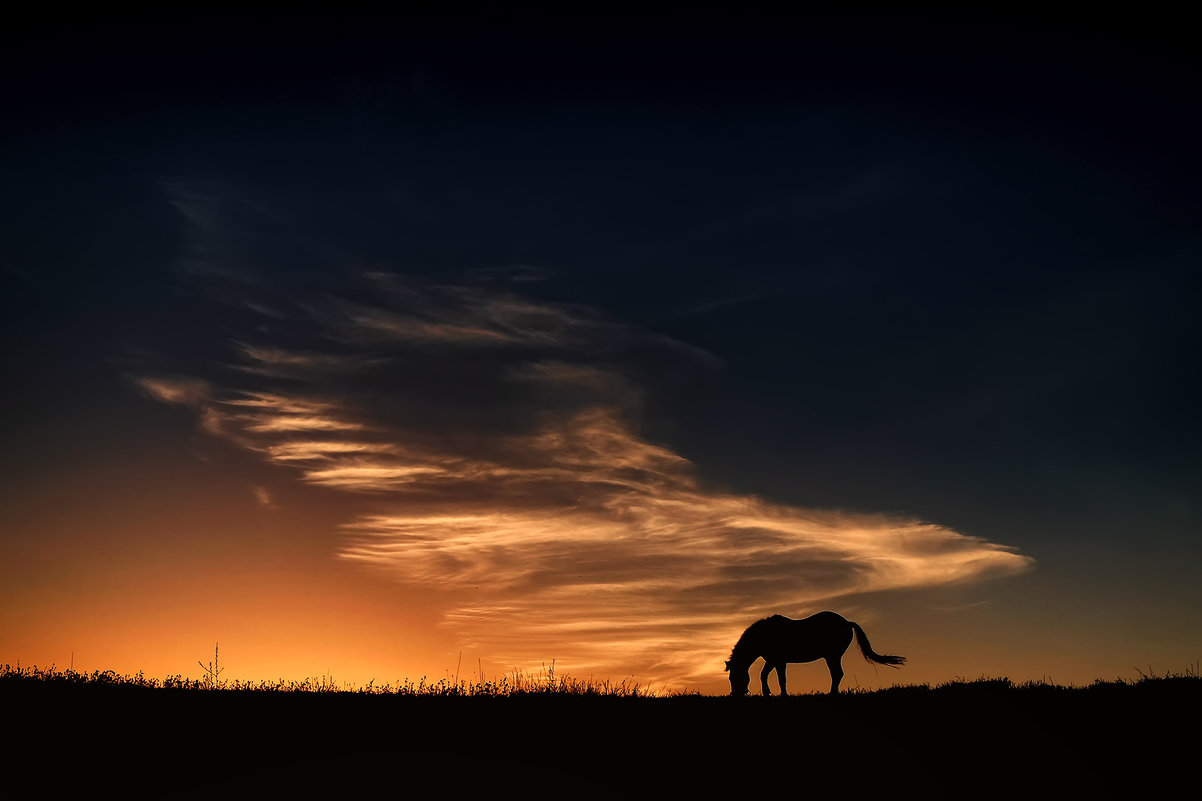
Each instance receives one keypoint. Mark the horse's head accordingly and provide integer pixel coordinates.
(739, 679)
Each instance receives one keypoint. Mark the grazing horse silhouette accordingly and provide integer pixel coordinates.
(780, 640)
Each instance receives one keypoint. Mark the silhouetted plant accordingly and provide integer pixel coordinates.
(212, 672)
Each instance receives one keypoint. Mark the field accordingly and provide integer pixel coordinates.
(69, 733)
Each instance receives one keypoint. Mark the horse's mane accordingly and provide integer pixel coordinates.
(748, 639)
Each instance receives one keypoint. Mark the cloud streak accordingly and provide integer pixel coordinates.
(495, 442)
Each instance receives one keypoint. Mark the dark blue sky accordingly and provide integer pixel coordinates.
(934, 266)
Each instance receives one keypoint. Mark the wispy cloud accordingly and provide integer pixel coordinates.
(263, 497)
(172, 389)
(497, 441)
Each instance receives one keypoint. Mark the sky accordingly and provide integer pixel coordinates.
(462, 346)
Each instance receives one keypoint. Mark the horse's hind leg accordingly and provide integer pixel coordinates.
(835, 665)
(781, 678)
(768, 667)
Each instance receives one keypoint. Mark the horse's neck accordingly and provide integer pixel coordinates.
(745, 653)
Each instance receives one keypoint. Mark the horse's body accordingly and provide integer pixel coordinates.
(781, 640)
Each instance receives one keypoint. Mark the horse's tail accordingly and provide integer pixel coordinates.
(871, 655)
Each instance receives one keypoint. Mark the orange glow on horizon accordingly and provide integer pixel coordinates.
(556, 534)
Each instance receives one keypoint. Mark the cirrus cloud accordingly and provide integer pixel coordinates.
(495, 442)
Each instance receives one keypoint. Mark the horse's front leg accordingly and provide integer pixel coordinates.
(781, 677)
(768, 668)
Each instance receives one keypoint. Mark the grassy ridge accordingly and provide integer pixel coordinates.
(549, 682)
(985, 738)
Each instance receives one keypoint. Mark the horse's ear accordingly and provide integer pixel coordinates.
(727, 668)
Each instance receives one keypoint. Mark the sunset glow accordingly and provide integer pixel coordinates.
(462, 346)
(502, 466)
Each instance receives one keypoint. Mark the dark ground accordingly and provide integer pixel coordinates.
(967, 740)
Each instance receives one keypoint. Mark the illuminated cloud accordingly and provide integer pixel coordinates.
(185, 391)
(263, 497)
(497, 441)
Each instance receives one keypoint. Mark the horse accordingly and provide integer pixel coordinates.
(780, 640)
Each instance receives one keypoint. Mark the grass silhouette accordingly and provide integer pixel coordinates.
(548, 682)
(550, 734)
(517, 684)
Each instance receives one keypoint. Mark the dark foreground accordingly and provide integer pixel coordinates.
(967, 740)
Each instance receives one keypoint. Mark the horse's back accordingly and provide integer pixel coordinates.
(827, 620)
(815, 637)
